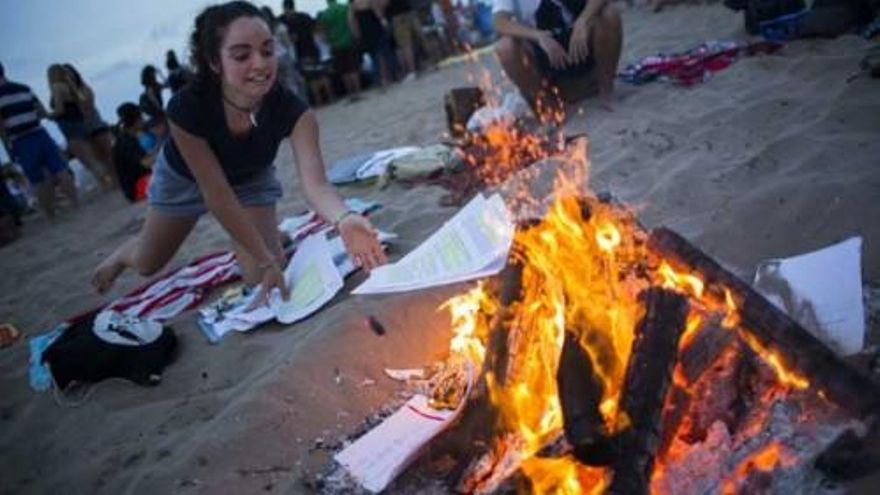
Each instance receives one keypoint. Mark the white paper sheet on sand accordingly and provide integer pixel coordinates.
(375, 459)
(472, 244)
(313, 280)
(822, 290)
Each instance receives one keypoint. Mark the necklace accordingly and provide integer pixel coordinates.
(252, 114)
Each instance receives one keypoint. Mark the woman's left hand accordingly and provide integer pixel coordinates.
(361, 241)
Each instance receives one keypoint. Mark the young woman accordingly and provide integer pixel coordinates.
(225, 131)
(97, 131)
(69, 110)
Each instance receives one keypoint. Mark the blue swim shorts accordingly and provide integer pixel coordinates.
(37, 152)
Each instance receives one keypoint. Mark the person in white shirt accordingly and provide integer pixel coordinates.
(572, 45)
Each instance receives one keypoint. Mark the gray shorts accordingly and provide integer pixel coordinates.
(173, 194)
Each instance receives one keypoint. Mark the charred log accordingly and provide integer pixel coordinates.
(580, 395)
(646, 381)
(851, 456)
(497, 351)
(841, 383)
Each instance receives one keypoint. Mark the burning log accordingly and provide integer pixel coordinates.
(580, 395)
(844, 385)
(497, 349)
(646, 381)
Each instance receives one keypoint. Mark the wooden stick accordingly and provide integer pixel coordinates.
(841, 383)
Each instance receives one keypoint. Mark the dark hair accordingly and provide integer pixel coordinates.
(128, 114)
(171, 62)
(148, 76)
(77, 79)
(2, 71)
(287, 4)
(269, 16)
(204, 44)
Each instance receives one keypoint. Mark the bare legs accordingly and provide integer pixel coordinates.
(607, 41)
(45, 192)
(161, 236)
(148, 251)
(518, 59)
(84, 152)
(102, 145)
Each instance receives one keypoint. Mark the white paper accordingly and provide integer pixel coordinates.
(231, 314)
(375, 459)
(313, 280)
(822, 291)
(473, 244)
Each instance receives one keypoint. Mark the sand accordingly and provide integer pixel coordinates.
(775, 156)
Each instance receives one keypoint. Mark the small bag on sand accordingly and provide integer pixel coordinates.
(111, 345)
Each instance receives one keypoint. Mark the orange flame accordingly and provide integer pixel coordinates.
(768, 458)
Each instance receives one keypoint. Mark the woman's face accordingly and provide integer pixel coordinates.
(247, 57)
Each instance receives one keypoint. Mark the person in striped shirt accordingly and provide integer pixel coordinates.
(31, 146)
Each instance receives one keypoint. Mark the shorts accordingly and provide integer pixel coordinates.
(95, 125)
(346, 60)
(36, 152)
(573, 71)
(72, 129)
(404, 27)
(175, 195)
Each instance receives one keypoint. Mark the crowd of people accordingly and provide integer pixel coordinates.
(336, 53)
(317, 59)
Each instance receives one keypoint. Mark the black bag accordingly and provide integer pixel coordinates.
(110, 345)
(758, 11)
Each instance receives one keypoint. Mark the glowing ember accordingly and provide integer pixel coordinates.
(765, 460)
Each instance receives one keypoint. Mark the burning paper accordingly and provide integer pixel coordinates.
(376, 458)
(472, 244)
(822, 290)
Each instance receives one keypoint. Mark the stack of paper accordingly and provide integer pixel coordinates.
(375, 459)
(822, 291)
(233, 313)
(473, 244)
(311, 275)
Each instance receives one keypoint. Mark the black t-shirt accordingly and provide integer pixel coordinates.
(201, 113)
(301, 28)
(127, 156)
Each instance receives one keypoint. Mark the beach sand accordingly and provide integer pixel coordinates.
(775, 156)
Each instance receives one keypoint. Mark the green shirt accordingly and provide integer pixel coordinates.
(334, 19)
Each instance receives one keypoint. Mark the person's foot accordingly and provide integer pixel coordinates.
(106, 273)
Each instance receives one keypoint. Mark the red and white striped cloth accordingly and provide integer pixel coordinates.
(186, 287)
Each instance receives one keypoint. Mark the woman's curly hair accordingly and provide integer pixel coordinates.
(207, 36)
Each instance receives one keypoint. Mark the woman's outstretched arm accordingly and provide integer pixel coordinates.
(357, 233)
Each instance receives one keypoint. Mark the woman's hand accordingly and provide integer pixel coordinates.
(361, 241)
(273, 278)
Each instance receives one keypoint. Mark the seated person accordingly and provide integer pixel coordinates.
(133, 163)
(567, 44)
